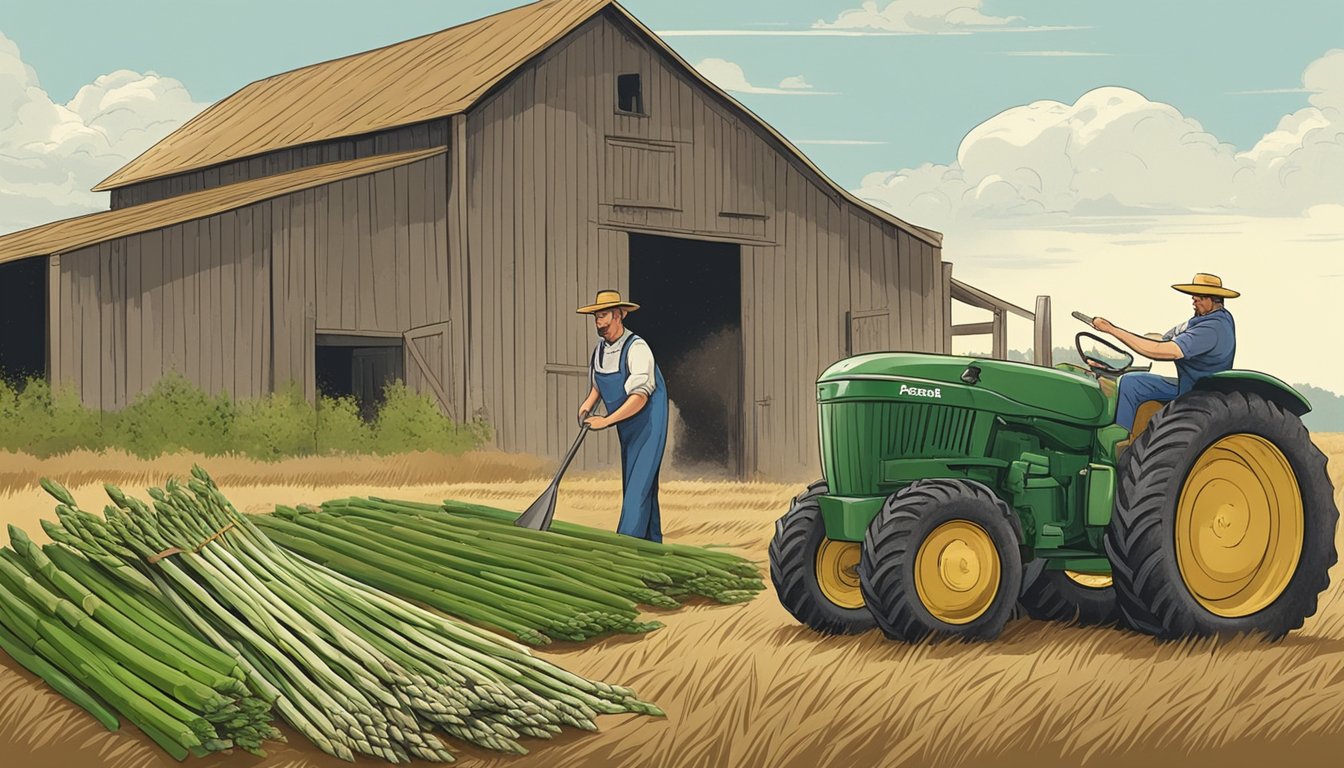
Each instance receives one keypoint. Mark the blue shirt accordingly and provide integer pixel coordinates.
(1209, 343)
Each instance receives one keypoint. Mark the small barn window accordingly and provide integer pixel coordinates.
(629, 94)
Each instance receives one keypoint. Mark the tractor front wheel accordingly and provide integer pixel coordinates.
(942, 558)
(1224, 520)
(817, 578)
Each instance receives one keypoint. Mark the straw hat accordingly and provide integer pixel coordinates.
(606, 300)
(1205, 284)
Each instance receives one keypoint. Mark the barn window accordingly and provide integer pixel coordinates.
(629, 94)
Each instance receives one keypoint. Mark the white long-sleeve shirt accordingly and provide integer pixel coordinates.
(607, 359)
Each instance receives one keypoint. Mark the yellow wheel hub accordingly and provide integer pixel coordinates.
(1090, 580)
(1239, 526)
(957, 572)
(838, 572)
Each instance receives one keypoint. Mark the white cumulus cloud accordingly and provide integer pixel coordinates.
(917, 16)
(52, 153)
(795, 83)
(729, 76)
(1113, 151)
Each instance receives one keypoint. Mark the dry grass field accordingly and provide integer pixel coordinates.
(746, 686)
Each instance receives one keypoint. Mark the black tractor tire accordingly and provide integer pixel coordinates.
(793, 569)
(1153, 595)
(887, 571)
(1055, 596)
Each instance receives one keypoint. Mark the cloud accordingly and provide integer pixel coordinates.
(839, 142)
(847, 32)
(898, 17)
(1114, 152)
(769, 33)
(1323, 77)
(52, 153)
(1260, 91)
(795, 83)
(1055, 54)
(916, 16)
(730, 77)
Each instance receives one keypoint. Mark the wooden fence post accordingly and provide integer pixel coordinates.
(1043, 341)
(947, 308)
(1000, 334)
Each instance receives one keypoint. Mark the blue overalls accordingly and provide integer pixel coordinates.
(643, 438)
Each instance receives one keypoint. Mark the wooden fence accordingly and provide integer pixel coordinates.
(997, 327)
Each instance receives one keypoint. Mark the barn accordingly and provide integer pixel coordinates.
(435, 211)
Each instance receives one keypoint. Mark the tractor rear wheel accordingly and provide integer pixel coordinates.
(1087, 599)
(1224, 520)
(942, 558)
(816, 578)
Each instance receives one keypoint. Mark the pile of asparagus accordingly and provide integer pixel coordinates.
(572, 583)
(351, 668)
(112, 650)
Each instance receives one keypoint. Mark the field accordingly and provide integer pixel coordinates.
(746, 686)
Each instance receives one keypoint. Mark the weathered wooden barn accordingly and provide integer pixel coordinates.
(436, 210)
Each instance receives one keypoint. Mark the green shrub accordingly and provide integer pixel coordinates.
(44, 423)
(278, 425)
(175, 416)
(408, 421)
(340, 428)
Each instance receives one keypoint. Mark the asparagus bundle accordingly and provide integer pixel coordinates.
(674, 569)
(353, 669)
(107, 650)
(472, 562)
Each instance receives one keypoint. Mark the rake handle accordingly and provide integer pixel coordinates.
(569, 457)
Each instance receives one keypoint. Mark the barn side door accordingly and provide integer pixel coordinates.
(372, 369)
(868, 331)
(426, 349)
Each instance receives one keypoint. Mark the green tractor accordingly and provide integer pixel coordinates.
(957, 489)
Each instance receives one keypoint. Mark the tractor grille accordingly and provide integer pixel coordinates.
(857, 436)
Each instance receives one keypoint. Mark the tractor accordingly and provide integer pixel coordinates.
(958, 492)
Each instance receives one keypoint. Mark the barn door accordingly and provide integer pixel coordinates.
(868, 331)
(426, 350)
(371, 370)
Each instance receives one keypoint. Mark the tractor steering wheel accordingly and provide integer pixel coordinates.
(1101, 367)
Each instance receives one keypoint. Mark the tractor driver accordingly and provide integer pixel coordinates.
(1203, 345)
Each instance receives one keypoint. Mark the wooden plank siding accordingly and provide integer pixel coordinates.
(233, 301)
(556, 179)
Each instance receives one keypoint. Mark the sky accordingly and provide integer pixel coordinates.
(1095, 151)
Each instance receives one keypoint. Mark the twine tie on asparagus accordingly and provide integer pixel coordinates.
(169, 552)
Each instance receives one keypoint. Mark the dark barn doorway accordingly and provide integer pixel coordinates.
(23, 320)
(690, 297)
(360, 367)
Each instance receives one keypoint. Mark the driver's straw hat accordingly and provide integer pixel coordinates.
(1205, 284)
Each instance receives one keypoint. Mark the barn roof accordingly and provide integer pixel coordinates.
(70, 234)
(440, 74)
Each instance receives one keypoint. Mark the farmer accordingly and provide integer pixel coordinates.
(624, 375)
(1204, 344)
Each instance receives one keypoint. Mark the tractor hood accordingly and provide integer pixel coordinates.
(1003, 387)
